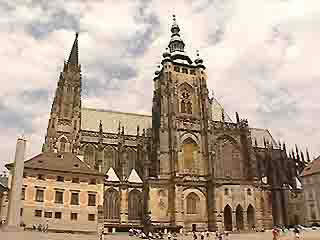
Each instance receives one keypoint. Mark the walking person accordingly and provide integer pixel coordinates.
(296, 233)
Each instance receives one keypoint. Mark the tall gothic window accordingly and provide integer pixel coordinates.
(63, 143)
(110, 158)
(183, 106)
(186, 102)
(111, 204)
(132, 160)
(190, 150)
(193, 202)
(135, 205)
(89, 155)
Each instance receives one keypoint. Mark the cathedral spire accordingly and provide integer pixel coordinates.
(74, 54)
(176, 44)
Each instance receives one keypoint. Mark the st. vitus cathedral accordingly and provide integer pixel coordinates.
(188, 165)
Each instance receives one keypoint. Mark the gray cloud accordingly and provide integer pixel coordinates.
(57, 20)
(15, 118)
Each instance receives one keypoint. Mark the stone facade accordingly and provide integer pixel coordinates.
(311, 181)
(187, 166)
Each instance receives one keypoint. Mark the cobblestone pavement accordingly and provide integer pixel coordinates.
(307, 235)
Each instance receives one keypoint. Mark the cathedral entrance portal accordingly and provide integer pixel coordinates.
(227, 218)
(251, 216)
(239, 217)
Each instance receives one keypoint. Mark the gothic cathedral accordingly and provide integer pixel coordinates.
(188, 166)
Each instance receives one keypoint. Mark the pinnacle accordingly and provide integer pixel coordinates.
(74, 54)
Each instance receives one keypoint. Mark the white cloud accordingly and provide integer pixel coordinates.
(261, 57)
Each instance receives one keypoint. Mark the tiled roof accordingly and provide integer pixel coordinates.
(90, 119)
(110, 122)
(312, 168)
(67, 162)
(217, 112)
(134, 177)
(260, 134)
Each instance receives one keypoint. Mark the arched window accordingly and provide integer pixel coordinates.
(111, 204)
(183, 106)
(193, 202)
(132, 160)
(63, 142)
(89, 155)
(135, 205)
(186, 100)
(190, 150)
(110, 158)
(189, 107)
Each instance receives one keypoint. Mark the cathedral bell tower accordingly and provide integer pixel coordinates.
(180, 112)
(65, 117)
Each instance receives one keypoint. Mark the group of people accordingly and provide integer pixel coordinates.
(139, 233)
(276, 233)
(40, 227)
(218, 235)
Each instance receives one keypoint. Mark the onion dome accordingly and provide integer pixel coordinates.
(198, 61)
(157, 72)
(166, 54)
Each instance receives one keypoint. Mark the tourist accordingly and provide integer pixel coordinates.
(296, 233)
(169, 236)
(275, 233)
(226, 236)
(202, 235)
(195, 237)
(208, 234)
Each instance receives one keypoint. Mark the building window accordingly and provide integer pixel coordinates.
(38, 213)
(192, 72)
(176, 69)
(21, 212)
(192, 203)
(58, 215)
(75, 180)
(93, 181)
(63, 143)
(60, 179)
(226, 191)
(59, 197)
(74, 216)
(23, 194)
(41, 177)
(91, 199)
(39, 195)
(184, 70)
(249, 192)
(48, 214)
(74, 198)
(91, 217)
(186, 105)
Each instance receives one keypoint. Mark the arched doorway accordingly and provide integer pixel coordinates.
(135, 205)
(227, 218)
(251, 216)
(193, 202)
(239, 217)
(111, 204)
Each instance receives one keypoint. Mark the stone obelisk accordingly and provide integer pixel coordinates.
(13, 218)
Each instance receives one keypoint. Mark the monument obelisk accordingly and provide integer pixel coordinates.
(13, 217)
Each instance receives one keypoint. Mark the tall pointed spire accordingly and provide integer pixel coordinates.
(74, 54)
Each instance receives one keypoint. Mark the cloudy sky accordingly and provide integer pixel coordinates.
(262, 59)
